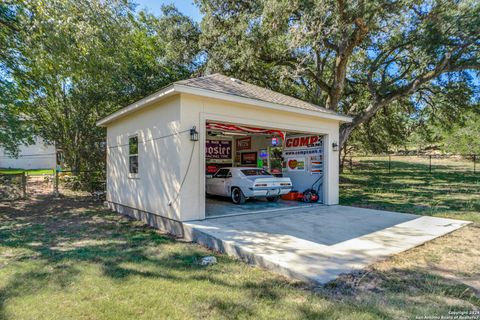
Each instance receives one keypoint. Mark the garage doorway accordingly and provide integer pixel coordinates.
(232, 149)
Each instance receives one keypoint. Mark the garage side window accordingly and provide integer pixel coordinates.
(133, 154)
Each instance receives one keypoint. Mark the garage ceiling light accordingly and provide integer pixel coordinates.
(234, 134)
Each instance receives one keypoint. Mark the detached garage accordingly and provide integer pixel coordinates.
(167, 150)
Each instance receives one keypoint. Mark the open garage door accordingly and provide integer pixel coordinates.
(251, 169)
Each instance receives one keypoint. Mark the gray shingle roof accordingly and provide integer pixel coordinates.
(220, 83)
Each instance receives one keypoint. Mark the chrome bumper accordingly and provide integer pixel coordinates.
(268, 191)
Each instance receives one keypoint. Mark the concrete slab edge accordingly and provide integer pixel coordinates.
(194, 234)
(227, 247)
(156, 221)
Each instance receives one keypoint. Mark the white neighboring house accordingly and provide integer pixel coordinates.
(39, 155)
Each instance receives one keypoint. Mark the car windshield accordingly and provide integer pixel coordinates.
(255, 172)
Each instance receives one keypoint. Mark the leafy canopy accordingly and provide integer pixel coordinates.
(357, 57)
(75, 61)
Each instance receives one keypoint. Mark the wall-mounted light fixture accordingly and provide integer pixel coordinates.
(194, 134)
(335, 146)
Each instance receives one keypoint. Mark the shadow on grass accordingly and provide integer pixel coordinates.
(400, 283)
(410, 188)
(58, 237)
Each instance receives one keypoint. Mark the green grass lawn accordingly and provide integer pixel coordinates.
(450, 190)
(65, 259)
(72, 259)
(29, 172)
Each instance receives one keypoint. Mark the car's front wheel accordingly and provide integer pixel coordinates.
(273, 199)
(237, 196)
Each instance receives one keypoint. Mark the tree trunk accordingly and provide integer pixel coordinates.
(345, 132)
(343, 157)
(347, 128)
(76, 164)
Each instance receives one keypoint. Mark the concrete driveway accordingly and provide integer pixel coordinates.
(222, 206)
(317, 244)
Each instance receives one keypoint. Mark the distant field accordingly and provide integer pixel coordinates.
(450, 190)
(29, 172)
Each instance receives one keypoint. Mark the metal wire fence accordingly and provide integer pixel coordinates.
(399, 163)
(18, 184)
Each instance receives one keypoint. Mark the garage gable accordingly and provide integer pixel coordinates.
(221, 87)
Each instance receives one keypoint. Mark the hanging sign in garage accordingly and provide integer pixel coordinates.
(218, 149)
(316, 165)
(303, 146)
(248, 158)
(244, 143)
(303, 161)
(301, 142)
(296, 164)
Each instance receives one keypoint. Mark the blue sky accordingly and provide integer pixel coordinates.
(187, 7)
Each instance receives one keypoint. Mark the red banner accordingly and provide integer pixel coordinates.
(235, 128)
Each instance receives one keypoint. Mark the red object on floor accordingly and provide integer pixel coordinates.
(292, 196)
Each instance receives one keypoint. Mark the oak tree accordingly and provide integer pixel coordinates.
(355, 57)
(73, 62)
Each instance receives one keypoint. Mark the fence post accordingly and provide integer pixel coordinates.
(56, 183)
(474, 163)
(430, 165)
(389, 163)
(24, 184)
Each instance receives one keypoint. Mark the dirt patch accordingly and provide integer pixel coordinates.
(436, 265)
(40, 185)
(47, 210)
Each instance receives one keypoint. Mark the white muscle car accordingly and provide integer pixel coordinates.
(241, 183)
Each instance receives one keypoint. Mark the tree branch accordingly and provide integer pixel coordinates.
(443, 66)
(8, 25)
(341, 62)
(294, 64)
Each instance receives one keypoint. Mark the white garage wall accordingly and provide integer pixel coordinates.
(36, 156)
(167, 157)
(195, 111)
(158, 180)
